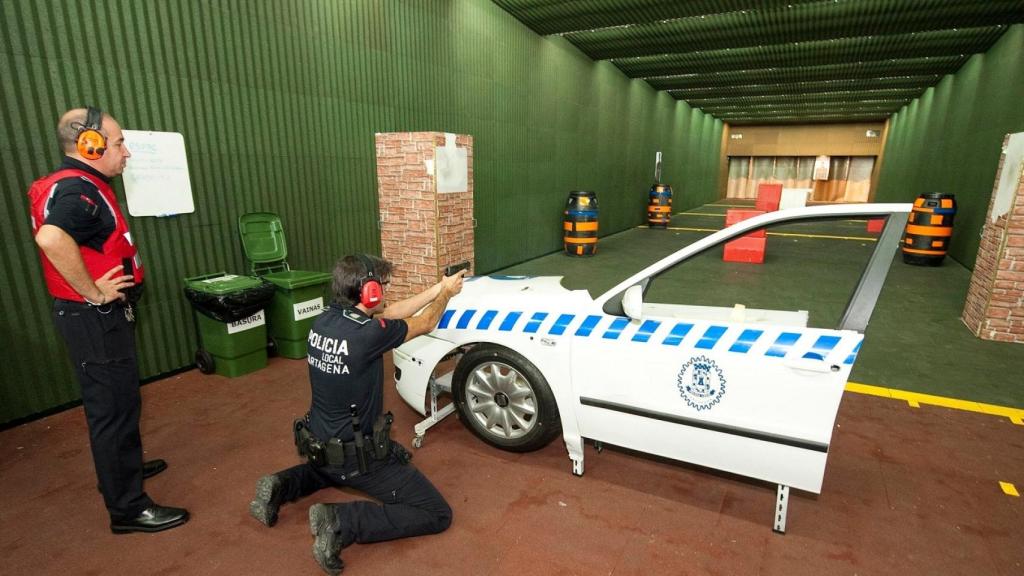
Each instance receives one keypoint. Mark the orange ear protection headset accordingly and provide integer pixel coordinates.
(91, 143)
(371, 292)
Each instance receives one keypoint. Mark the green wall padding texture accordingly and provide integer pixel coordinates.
(949, 140)
(279, 103)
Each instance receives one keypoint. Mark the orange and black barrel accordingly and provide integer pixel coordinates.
(929, 229)
(580, 223)
(659, 206)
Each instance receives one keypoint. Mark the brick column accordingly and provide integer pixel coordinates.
(422, 230)
(994, 309)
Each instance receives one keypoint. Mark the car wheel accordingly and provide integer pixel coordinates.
(204, 361)
(504, 399)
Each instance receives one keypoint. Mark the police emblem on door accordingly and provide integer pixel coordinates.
(701, 383)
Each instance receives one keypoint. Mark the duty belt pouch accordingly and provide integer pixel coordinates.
(335, 452)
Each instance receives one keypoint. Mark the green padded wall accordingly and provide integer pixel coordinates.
(279, 103)
(949, 140)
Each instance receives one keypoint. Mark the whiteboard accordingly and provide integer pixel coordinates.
(156, 180)
(1010, 176)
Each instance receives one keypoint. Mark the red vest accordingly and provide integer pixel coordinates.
(117, 247)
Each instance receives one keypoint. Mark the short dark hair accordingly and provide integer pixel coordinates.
(349, 273)
(70, 125)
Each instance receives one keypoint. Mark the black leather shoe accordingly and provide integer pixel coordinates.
(152, 519)
(153, 467)
(327, 545)
(269, 492)
(149, 469)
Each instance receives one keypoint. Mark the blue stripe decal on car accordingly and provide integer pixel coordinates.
(510, 321)
(679, 331)
(588, 325)
(782, 344)
(710, 337)
(745, 341)
(853, 355)
(485, 322)
(822, 347)
(465, 318)
(446, 318)
(645, 331)
(616, 328)
(534, 323)
(561, 324)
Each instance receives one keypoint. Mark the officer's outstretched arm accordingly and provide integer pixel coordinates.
(425, 321)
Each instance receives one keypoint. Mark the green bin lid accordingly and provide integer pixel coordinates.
(294, 279)
(262, 237)
(222, 283)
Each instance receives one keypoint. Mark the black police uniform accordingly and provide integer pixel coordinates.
(101, 343)
(346, 367)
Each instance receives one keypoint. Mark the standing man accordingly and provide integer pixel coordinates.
(345, 435)
(94, 274)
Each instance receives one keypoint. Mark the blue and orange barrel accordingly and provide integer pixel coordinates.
(659, 206)
(580, 224)
(929, 229)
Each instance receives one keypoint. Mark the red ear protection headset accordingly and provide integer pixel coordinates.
(91, 143)
(371, 292)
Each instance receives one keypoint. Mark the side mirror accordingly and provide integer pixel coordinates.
(633, 301)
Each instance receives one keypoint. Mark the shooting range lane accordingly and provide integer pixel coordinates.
(907, 490)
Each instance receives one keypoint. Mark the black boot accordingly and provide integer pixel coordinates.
(323, 524)
(269, 494)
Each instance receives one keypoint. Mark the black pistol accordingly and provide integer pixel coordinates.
(453, 269)
(357, 434)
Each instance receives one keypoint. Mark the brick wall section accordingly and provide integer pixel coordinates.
(422, 231)
(994, 309)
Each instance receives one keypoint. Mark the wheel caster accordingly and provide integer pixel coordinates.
(272, 349)
(599, 446)
(417, 442)
(204, 361)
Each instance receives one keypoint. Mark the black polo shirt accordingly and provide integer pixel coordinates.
(346, 367)
(78, 208)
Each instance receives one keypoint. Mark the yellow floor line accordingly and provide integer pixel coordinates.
(1009, 489)
(915, 399)
(823, 236)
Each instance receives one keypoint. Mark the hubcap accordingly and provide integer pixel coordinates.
(501, 400)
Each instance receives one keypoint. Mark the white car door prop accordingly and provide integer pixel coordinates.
(751, 392)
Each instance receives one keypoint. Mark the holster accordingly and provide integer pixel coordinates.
(382, 436)
(308, 445)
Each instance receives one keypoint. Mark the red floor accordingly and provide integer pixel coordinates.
(907, 491)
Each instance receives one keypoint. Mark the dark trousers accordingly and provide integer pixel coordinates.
(409, 503)
(101, 343)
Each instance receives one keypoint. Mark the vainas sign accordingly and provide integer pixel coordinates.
(254, 321)
(308, 309)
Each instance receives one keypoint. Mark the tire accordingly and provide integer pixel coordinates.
(271, 347)
(204, 361)
(504, 400)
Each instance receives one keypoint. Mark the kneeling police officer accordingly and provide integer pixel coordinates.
(345, 437)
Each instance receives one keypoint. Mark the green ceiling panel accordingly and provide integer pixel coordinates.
(702, 49)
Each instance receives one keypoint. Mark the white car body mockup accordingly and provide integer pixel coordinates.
(751, 392)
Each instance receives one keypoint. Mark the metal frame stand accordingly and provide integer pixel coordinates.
(438, 386)
(781, 505)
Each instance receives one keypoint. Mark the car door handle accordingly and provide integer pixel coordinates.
(811, 365)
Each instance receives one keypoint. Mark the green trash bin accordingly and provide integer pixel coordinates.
(230, 322)
(299, 295)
